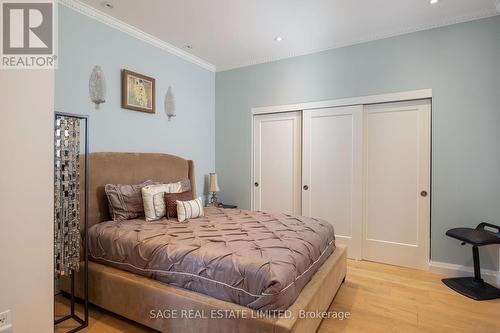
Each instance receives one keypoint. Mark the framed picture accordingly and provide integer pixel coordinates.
(138, 92)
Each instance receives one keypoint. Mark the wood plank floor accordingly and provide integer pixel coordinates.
(380, 298)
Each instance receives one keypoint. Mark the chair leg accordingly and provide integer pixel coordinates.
(477, 264)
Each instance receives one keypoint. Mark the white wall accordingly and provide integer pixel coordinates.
(26, 198)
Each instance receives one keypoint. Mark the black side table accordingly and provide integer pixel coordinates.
(221, 205)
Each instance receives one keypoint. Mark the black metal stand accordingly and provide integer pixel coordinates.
(473, 287)
(85, 321)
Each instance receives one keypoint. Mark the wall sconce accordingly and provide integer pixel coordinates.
(97, 86)
(169, 104)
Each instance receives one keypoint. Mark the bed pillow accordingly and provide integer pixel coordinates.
(189, 209)
(153, 198)
(125, 201)
(171, 202)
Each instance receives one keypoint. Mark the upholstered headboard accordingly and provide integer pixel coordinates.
(130, 168)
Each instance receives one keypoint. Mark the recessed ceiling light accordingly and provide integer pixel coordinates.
(433, 2)
(108, 4)
(278, 38)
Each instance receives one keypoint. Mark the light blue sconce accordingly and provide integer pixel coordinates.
(97, 86)
(169, 104)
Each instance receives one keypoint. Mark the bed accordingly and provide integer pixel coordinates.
(213, 286)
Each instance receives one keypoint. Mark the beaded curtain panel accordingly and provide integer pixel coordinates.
(67, 195)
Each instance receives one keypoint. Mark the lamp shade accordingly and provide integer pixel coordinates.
(214, 186)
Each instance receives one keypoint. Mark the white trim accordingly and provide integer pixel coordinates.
(466, 18)
(452, 270)
(97, 15)
(252, 181)
(363, 100)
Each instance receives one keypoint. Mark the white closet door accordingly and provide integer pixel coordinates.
(277, 160)
(397, 182)
(332, 171)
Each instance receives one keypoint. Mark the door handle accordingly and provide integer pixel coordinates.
(256, 184)
(423, 193)
(305, 187)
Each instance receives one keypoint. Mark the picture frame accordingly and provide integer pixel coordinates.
(138, 92)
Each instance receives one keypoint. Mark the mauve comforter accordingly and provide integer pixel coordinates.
(255, 259)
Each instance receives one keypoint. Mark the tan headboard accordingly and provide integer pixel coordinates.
(131, 168)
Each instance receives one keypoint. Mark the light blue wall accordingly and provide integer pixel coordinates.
(461, 63)
(84, 42)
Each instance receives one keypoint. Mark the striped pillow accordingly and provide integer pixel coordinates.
(153, 198)
(171, 202)
(189, 209)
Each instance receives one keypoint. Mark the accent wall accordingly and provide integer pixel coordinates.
(460, 63)
(85, 42)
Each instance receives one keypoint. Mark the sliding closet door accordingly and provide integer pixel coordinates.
(277, 160)
(332, 171)
(397, 183)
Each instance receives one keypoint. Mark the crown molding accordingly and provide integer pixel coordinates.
(95, 14)
(102, 17)
(375, 37)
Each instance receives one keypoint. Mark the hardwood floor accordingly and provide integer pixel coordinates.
(380, 298)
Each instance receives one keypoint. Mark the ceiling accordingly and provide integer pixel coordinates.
(236, 33)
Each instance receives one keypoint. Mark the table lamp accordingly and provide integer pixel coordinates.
(213, 188)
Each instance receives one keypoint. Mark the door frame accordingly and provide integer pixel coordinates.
(364, 100)
(404, 96)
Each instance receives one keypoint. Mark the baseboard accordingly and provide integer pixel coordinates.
(452, 270)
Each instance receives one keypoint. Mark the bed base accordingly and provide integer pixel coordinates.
(148, 302)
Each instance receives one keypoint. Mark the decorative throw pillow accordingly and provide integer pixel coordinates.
(125, 201)
(185, 185)
(171, 202)
(189, 209)
(153, 198)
